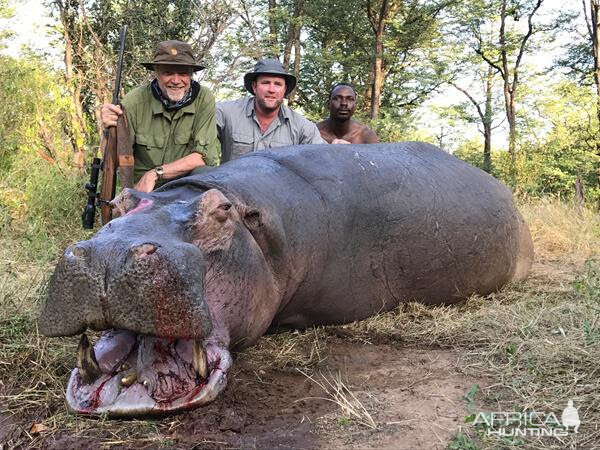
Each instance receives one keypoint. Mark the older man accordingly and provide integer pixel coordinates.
(263, 121)
(340, 128)
(171, 119)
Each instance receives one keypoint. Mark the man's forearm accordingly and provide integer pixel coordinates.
(182, 166)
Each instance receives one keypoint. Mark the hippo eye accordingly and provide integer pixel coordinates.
(226, 206)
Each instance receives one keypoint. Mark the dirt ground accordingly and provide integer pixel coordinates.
(413, 395)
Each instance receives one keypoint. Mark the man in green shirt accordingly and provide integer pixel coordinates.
(171, 119)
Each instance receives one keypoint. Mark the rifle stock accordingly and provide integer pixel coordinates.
(109, 173)
(114, 142)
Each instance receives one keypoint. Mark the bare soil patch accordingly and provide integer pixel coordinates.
(414, 395)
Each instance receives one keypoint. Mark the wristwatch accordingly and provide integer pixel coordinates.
(159, 172)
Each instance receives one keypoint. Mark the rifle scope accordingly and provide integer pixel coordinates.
(89, 211)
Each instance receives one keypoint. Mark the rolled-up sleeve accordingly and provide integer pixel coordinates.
(310, 134)
(205, 129)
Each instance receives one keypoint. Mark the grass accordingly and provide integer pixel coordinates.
(338, 392)
(535, 343)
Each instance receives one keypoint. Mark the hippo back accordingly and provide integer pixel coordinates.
(356, 229)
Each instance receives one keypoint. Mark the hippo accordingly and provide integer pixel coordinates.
(293, 237)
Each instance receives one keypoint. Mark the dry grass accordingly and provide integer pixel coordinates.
(536, 343)
(562, 231)
(339, 392)
(288, 351)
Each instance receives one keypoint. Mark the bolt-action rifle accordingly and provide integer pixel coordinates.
(117, 152)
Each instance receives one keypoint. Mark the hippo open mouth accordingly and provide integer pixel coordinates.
(129, 374)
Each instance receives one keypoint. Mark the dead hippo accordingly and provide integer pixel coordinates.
(300, 236)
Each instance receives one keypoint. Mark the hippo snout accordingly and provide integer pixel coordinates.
(146, 287)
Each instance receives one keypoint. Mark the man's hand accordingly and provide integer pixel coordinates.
(109, 114)
(340, 141)
(147, 182)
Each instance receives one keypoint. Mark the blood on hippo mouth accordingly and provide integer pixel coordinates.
(129, 374)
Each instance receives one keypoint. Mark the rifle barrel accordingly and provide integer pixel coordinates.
(117, 88)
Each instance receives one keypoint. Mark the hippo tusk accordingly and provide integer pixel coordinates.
(199, 359)
(129, 379)
(87, 365)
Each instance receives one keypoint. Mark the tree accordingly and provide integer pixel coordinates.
(485, 114)
(90, 32)
(493, 32)
(6, 12)
(385, 48)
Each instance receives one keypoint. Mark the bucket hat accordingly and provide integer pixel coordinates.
(269, 66)
(173, 53)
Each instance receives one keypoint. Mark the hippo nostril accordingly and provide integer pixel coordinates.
(78, 252)
(141, 251)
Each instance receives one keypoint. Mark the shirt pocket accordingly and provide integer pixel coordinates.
(279, 142)
(148, 151)
(183, 138)
(241, 144)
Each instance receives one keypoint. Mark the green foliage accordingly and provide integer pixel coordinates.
(40, 189)
(567, 147)
(391, 129)
(6, 12)
(471, 152)
(461, 441)
(588, 283)
(45, 212)
(148, 23)
(38, 118)
(561, 145)
(345, 52)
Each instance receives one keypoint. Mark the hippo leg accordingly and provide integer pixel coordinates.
(524, 258)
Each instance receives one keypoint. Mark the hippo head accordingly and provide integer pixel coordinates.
(142, 280)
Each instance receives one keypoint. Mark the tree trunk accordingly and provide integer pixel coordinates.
(293, 42)
(508, 89)
(76, 121)
(579, 192)
(293, 35)
(487, 121)
(273, 29)
(595, 35)
(595, 15)
(511, 81)
(378, 25)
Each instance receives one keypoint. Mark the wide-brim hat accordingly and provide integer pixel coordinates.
(269, 66)
(173, 53)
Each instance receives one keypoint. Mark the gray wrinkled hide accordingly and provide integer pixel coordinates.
(352, 230)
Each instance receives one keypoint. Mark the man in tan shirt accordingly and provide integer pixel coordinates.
(263, 121)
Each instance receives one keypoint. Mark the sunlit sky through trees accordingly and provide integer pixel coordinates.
(32, 27)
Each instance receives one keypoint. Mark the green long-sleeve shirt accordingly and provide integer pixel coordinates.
(160, 137)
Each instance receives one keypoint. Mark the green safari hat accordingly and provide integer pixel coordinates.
(173, 53)
(269, 66)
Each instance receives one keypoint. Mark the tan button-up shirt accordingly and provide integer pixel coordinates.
(239, 131)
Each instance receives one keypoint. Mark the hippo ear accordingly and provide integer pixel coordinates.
(213, 227)
(126, 201)
(252, 219)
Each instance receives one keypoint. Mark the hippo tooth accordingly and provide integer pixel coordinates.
(87, 365)
(128, 380)
(199, 359)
